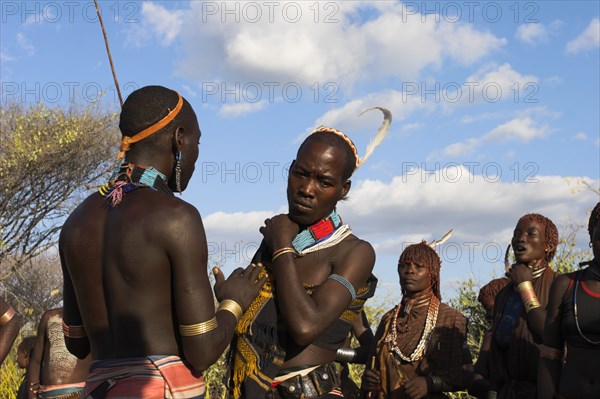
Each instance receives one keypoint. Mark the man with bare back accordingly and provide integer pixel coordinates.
(134, 257)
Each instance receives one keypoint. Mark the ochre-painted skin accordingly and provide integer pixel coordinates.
(50, 363)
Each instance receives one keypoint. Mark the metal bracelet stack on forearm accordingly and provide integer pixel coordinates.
(528, 296)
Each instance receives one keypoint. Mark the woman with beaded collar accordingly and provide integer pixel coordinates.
(573, 320)
(420, 346)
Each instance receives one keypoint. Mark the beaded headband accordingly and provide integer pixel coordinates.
(377, 140)
(127, 140)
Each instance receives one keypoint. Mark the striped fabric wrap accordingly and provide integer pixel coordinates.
(151, 377)
(63, 391)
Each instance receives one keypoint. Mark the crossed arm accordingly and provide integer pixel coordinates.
(307, 316)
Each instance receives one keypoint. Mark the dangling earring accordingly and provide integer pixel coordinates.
(178, 159)
(591, 244)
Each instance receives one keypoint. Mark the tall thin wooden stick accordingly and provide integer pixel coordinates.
(112, 67)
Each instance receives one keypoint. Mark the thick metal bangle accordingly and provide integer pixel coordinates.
(231, 306)
(7, 316)
(528, 296)
(525, 286)
(345, 355)
(190, 330)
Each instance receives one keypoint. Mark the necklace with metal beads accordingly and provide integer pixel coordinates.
(419, 351)
(538, 272)
(575, 312)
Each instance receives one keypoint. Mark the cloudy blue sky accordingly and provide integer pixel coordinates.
(495, 104)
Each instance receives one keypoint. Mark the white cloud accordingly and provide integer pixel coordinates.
(25, 44)
(241, 108)
(532, 33)
(292, 42)
(589, 39)
(581, 136)
(422, 204)
(502, 79)
(347, 117)
(474, 204)
(536, 33)
(390, 43)
(191, 92)
(482, 116)
(6, 57)
(411, 126)
(490, 84)
(523, 129)
(156, 22)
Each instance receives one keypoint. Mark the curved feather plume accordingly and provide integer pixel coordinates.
(442, 240)
(382, 132)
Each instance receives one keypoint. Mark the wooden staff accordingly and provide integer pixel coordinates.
(112, 67)
(372, 368)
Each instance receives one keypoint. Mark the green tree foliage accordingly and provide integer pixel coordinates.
(34, 288)
(49, 158)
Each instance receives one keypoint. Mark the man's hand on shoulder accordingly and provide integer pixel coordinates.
(279, 232)
(242, 285)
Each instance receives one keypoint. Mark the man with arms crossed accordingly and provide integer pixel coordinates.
(320, 272)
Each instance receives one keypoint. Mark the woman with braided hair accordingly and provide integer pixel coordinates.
(573, 321)
(520, 311)
(420, 348)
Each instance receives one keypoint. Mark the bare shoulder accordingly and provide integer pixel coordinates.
(356, 247)
(178, 211)
(561, 283)
(177, 223)
(355, 259)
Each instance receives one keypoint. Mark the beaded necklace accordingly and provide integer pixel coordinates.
(129, 177)
(316, 233)
(430, 322)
